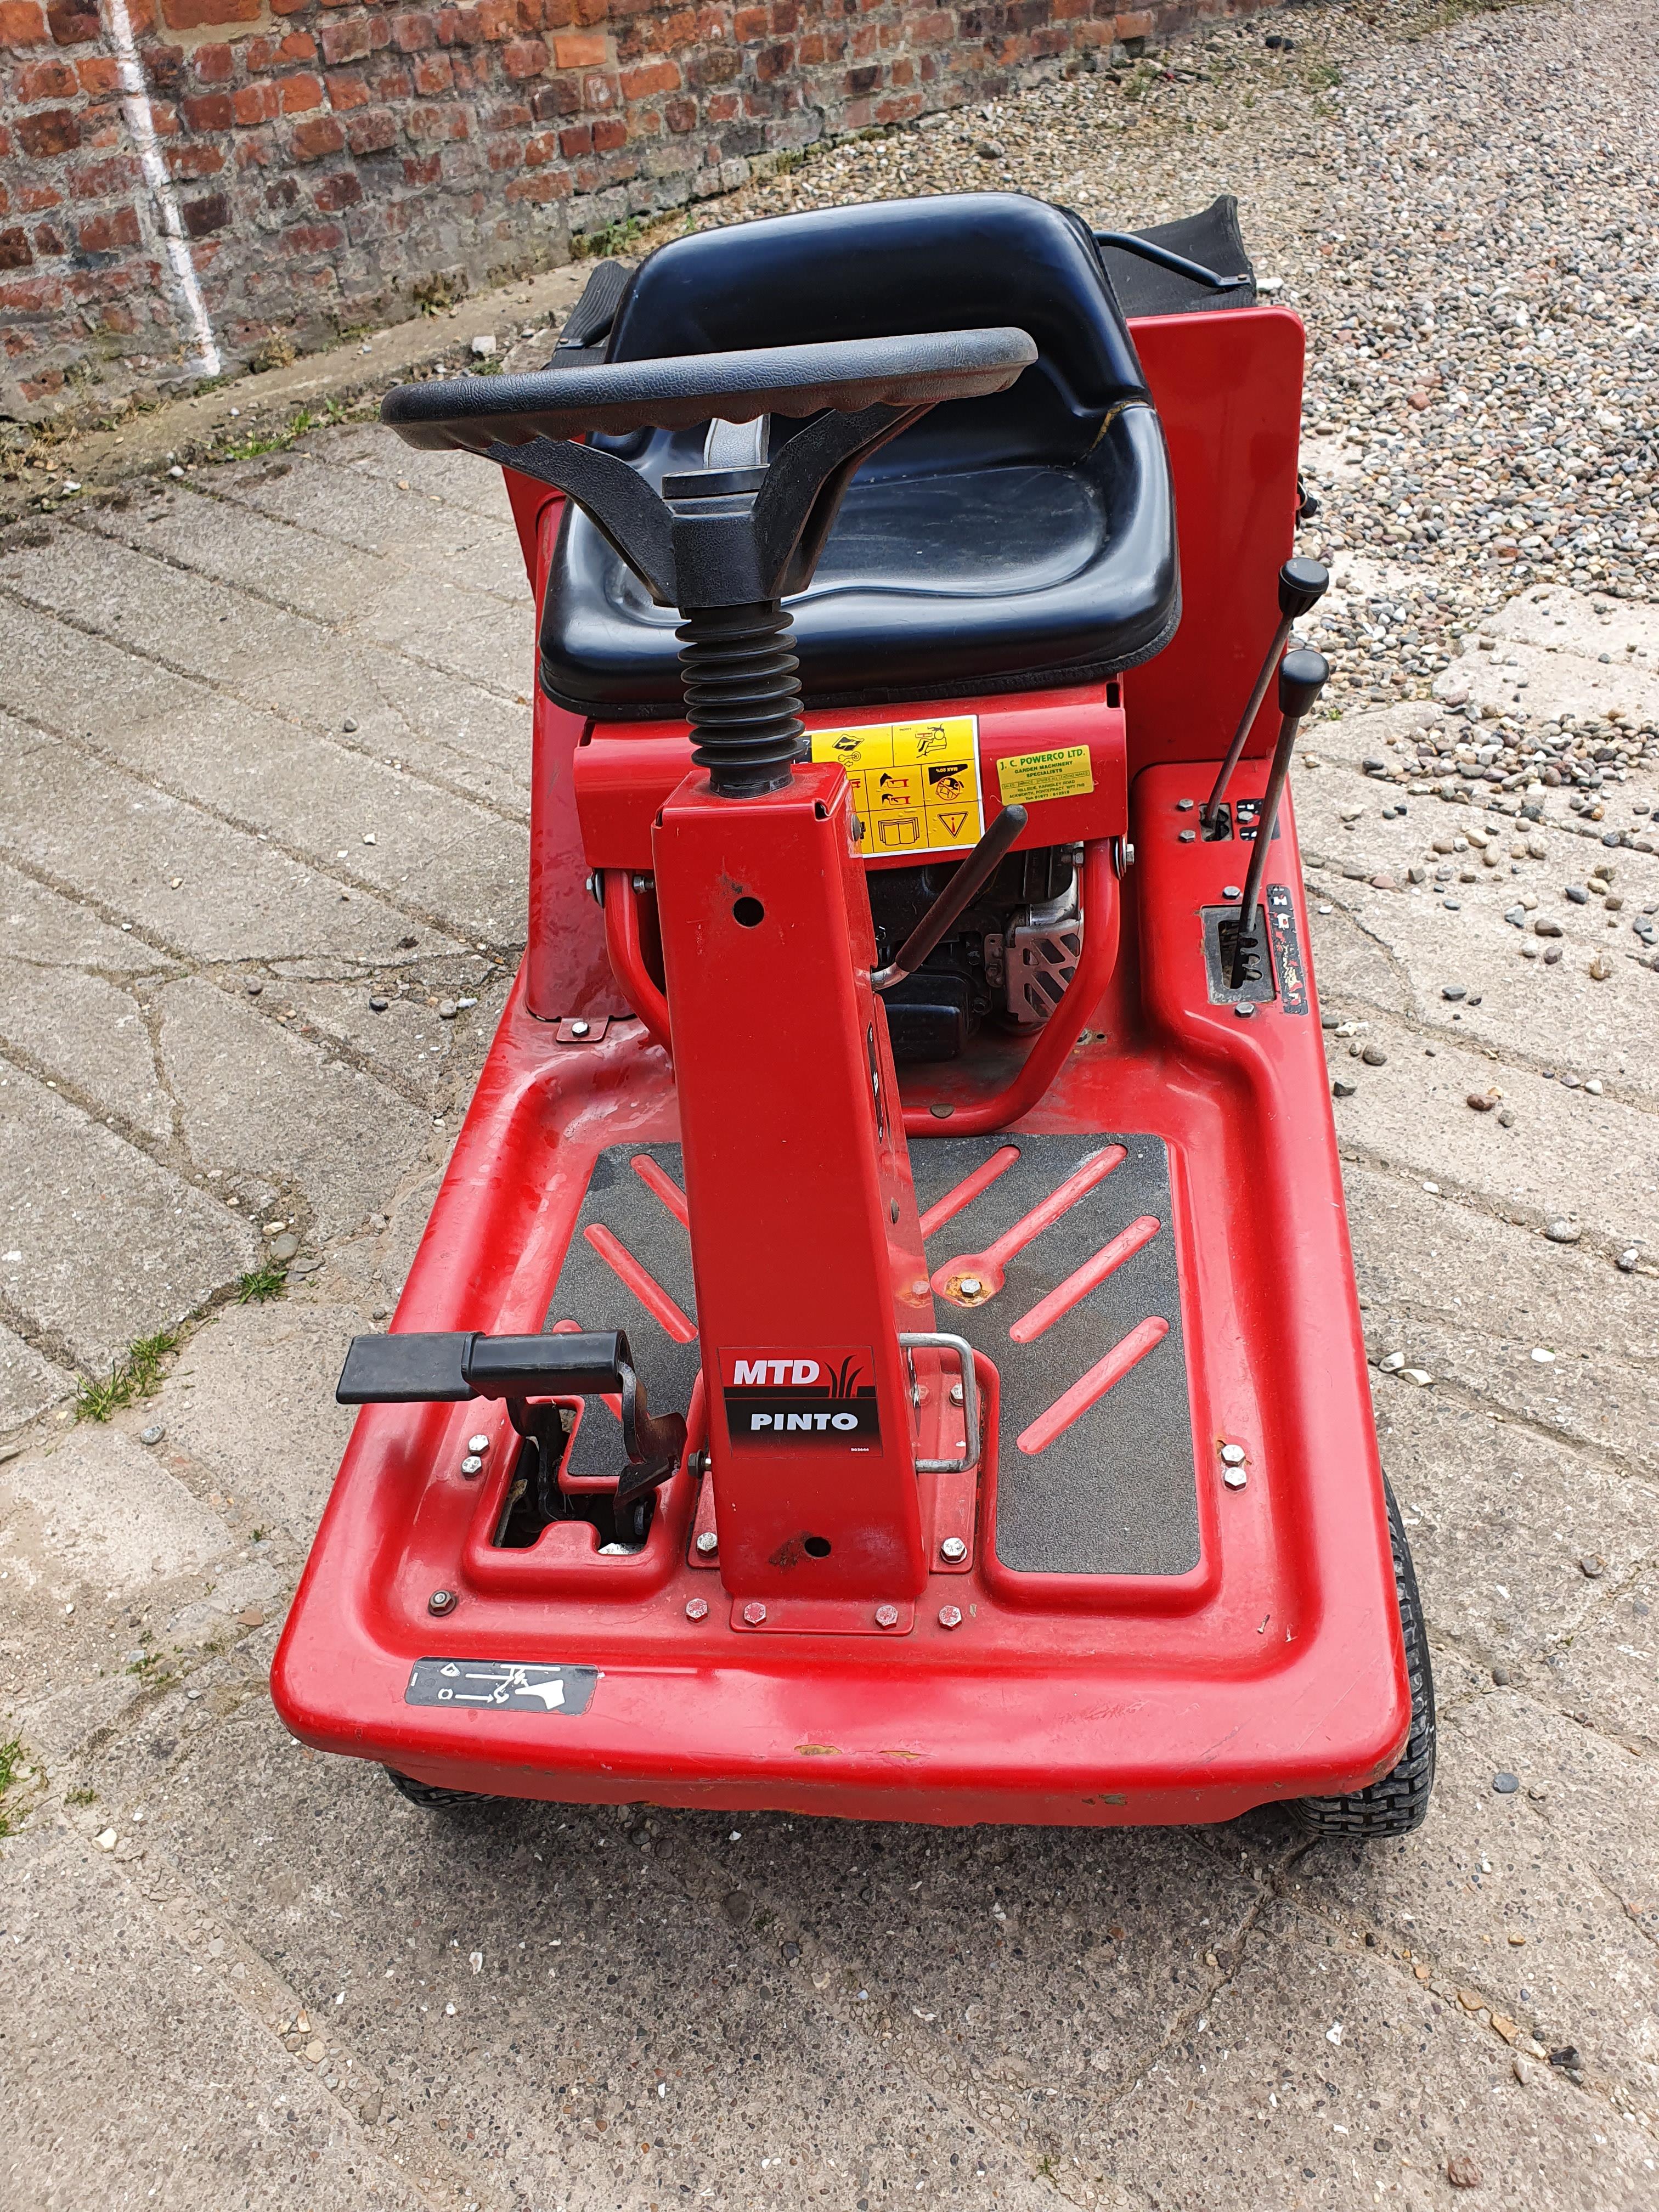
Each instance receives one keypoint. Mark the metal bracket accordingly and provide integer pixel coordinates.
(964, 1352)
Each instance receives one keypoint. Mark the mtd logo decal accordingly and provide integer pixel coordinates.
(823, 1396)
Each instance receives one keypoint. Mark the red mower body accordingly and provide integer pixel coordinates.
(883, 1632)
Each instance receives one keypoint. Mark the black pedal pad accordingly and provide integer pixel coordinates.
(404, 1370)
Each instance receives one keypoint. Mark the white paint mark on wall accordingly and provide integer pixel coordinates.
(186, 290)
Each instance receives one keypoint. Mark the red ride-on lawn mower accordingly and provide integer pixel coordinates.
(886, 1343)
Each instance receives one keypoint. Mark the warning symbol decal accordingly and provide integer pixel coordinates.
(915, 785)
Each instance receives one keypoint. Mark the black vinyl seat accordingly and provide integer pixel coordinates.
(999, 544)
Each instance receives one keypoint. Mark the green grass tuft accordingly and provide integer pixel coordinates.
(9, 1754)
(260, 1284)
(137, 1374)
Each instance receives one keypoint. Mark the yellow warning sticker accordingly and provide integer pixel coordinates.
(915, 785)
(1065, 774)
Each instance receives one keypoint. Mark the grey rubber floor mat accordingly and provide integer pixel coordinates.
(1115, 1491)
(620, 1204)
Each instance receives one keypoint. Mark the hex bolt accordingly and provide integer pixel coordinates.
(642, 883)
(1244, 1009)
(887, 1616)
(579, 1029)
(1235, 1477)
(708, 1542)
(1232, 891)
(1232, 1455)
(953, 1549)
(754, 1613)
(441, 1602)
(949, 1616)
(696, 1608)
(969, 1286)
(472, 1464)
(956, 1394)
(478, 1443)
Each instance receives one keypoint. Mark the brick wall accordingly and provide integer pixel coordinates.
(179, 178)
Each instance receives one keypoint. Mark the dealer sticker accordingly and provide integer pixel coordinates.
(820, 1396)
(1067, 773)
(915, 785)
(501, 1685)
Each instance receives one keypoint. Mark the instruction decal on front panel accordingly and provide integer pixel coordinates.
(915, 785)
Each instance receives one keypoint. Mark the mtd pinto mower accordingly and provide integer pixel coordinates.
(886, 1343)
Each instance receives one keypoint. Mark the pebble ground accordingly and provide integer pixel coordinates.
(263, 764)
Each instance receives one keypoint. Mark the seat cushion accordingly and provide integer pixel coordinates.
(998, 545)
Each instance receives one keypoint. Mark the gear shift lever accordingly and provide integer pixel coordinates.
(1302, 585)
(1301, 679)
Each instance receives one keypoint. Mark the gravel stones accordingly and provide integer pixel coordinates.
(1564, 1232)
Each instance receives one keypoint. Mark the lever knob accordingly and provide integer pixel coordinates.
(1302, 585)
(1302, 677)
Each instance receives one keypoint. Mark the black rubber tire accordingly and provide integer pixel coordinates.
(1400, 1801)
(429, 1795)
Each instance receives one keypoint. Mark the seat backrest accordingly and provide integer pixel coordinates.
(957, 262)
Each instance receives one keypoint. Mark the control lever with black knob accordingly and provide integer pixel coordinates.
(1302, 585)
(1302, 678)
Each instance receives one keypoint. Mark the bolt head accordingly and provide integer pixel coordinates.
(579, 1029)
(1244, 1009)
(696, 1608)
(754, 1613)
(441, 1601)
(472, 1464)
(1231, 891)
(479, 1444)
(956, 1394)
(953, 1548)
(970, 1286)
(949, 1616)
(708, 1542)
(1233, 1454)
(887, 1616)
(1235, 1477)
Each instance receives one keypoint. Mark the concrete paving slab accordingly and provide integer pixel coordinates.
(252, 1401)
(105, 2003)
(1325, 2075)
(28, 1382)
(1469, 1300)
(1500, 1521)
(86, 1035)
(1607, 1676)
(192, 887)
(103, 1514)
(109, 1246)
(255, 1101)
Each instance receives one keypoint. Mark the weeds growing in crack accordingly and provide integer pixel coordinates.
(260, 1284)
(9, 1754)
(136, 1374)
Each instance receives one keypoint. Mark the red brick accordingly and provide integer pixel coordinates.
(261, 54)
(412, 34)
(21, 24)
(653, 78)
(215, 63)
(372, 132)
(600, 92)
(312, 141)
(579, 50)
(346, 92)
(301, 94)
(208, 111)
(202, 14)
(773, 62)
(254, 103)
(1137, 24)
(338, 189)
(194, 161)
(103, 233)
(539, 151)
(346, 41)
(14, 250)
(203, 216)
(579, 139)
(74, 25)
(524, 58)
(434, 74)
(99, 75)
(443, 124)
(35, 199)
(52, 80)
(723, 108)
(747, 24)
(315, 238)
(423, 168)
(48, 239)
(608, 136)
(52, 133)
(681, 115)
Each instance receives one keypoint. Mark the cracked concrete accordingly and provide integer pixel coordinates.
(240, 1972)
